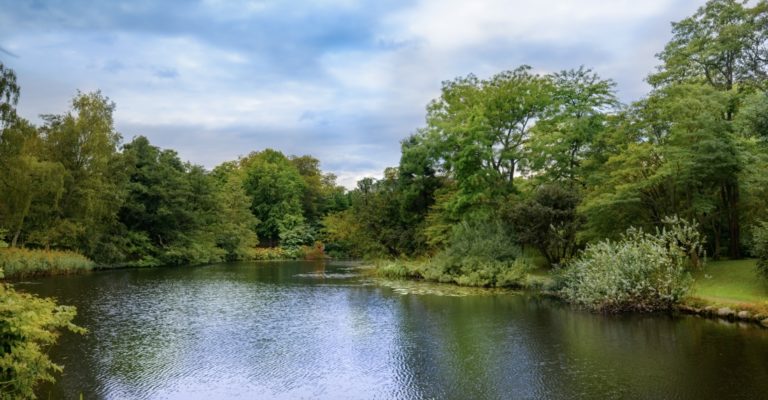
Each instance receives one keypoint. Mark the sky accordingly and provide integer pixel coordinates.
(342, 80)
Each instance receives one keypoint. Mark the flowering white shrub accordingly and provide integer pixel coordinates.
(642, 272)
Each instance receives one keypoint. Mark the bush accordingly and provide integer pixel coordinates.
(642, 272)
(400, 269)
(316, 252)
(192, 254)
(269, 253)
(28, 326)
(21, 263)
(760, 247)
(685, 236)
(479, 254)
(548, 221)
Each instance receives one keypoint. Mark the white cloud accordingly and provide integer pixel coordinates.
(455, 24)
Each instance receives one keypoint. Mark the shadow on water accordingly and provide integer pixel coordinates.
(289, 330)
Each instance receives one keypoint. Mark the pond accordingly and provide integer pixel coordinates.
(292, 330)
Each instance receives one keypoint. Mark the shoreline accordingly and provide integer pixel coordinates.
(731, 311)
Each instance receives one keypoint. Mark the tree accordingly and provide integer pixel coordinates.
(84, 142)
(479, 128)
(677, 155)
(548, 221)
(321, 193)
(570, 132)
(235, 225)
(9, 95)
(29, 325)
(170, 210)
(30, 188)
(722, 44)
(276, 189)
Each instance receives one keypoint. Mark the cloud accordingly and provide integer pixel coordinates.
(343, 80)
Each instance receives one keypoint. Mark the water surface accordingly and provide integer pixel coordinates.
(293, 330)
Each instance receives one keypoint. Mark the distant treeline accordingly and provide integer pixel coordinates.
(72, 184)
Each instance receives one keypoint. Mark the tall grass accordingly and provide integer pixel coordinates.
(22, 263)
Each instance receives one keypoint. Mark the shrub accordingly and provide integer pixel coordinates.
(316, 252)
(684, 235)
(192, 254)
(479, 254)
(20, 263)
(28, 326)
(400, 269)
(548, 221)
(760, 247)
(269, 253)
(642, 272)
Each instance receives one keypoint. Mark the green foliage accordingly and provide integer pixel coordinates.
(31, 187)
(478, 129)
(170, 209)
(548, 221)
(401, 269)
(23, 263)
(294, 234)
(722, 44)
(686, 236)
(568, 138)
(321, 193)
(9, 95)
(28, 326)
(641, 272)
(235, 226)
(675, 154)
(387, 216)
(760, 247)
(85, 143)
(269, 253)
(276, 189)
(480, 253)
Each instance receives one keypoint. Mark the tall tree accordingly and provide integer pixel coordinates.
(722, 44)
(276, 189)
(9, 95)
(172, 209)
(678, 157)
(570, 132)
(479, 129)
(84, 141)
(30, 187)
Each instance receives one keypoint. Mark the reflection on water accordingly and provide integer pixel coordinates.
(293, 330)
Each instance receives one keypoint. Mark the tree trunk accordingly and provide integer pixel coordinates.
(730, 196)
(15, 239)
(734, 226)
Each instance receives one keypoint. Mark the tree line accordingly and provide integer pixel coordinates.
(72, 184)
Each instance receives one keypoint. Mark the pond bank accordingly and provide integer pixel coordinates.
(726, 290)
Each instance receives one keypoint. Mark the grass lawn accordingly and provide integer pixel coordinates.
(731, 281)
